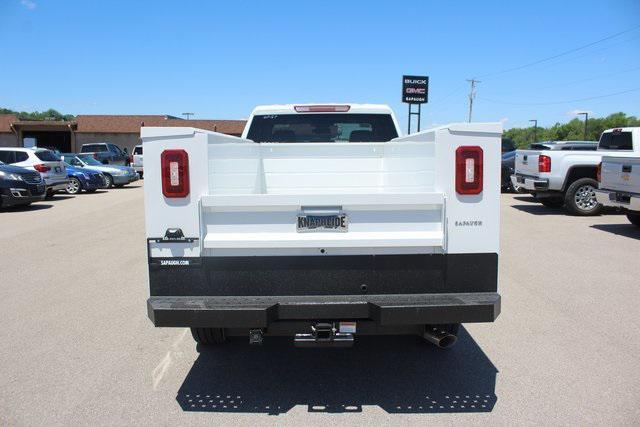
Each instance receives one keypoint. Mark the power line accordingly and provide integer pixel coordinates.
(567, 52)
(601, 76)
(561, 102)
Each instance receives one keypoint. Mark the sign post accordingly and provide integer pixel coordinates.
(415, 90)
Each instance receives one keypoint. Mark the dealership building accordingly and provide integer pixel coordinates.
(124, 131)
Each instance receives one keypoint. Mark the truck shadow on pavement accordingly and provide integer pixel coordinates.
(399, 374)
(540, 209)
(626, 230)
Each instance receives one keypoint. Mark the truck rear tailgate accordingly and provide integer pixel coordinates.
(621, 174)
(377, 223)
(527, 162)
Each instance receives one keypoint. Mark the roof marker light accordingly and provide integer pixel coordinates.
(322, 108)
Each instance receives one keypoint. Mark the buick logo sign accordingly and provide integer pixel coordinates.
(415, 89)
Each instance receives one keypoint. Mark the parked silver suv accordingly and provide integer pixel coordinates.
(46, 162)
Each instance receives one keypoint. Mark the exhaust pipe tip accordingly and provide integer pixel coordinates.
(448, 341)
(438, 337)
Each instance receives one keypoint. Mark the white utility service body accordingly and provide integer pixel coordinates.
(620, 175)
(245, 250)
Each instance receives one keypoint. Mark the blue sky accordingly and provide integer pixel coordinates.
(219, 59)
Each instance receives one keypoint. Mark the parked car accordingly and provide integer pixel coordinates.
(269, 234)
(46, 162)
(114, 175)
(507, 145)
(561, 173)
(84, 179)
(20, 186)
(508, 168)
(620, 174)
(106, 153)
(136, 160)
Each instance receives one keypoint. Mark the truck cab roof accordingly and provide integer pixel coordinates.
(324, 107)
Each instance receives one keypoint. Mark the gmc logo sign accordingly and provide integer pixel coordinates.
(415, 89)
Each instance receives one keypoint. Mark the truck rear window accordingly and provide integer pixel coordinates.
(539, 147)
(322, 128)
(616, 141)
(92, 148)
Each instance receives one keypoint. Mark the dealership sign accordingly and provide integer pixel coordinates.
(415, 89)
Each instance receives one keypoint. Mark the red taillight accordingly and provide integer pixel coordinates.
(41, 168)
(322, 108)
(175, 173)
(599, 172)
(469, 170)
(544, 163)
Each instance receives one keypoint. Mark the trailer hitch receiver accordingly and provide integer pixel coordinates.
(323, 335)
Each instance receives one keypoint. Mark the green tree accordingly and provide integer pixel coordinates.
(39, 115)
(572, 130)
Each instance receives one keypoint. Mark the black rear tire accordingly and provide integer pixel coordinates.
(580, 198)
(634, 218)
(208, 336)
(108, 180)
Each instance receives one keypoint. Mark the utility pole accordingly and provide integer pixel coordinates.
(586, 120)
(188, 115)
(472, 95)
(535, 129)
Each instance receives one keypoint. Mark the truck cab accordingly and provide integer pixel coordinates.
(322, 223)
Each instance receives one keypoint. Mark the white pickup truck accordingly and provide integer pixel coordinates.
(561, 177)
(620, 175)
(322, 223)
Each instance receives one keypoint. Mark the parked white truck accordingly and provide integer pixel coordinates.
(564, 177)
(619, 175)
(322, 223)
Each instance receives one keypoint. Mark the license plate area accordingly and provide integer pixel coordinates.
(621, 198)
(312, 220)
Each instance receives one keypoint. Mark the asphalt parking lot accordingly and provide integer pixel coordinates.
(77, 348)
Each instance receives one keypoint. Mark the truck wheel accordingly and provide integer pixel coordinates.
(580, 198)
(552, 202)
(208, 336)
(634, 218)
